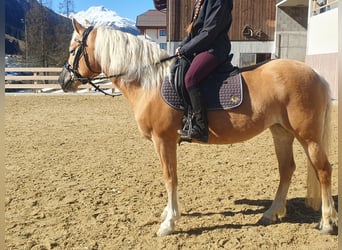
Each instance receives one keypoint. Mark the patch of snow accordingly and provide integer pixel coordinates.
(99, 16)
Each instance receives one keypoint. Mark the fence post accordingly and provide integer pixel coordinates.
(35, 82)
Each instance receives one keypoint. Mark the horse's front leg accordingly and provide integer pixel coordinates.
(166, 151)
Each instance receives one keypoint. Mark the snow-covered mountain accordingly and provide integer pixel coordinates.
(99, 15)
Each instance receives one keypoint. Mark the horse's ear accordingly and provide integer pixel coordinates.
(87, 22)
(77, 26)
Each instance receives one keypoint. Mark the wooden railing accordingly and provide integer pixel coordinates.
(38, 79)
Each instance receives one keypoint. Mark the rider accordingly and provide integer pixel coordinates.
(207, 45)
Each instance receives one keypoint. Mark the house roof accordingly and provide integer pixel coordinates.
(151, 18)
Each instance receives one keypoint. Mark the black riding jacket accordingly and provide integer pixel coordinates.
(210, 30)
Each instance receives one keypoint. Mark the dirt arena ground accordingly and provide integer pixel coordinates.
(80, 176)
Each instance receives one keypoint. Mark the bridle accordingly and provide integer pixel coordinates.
(81, 51)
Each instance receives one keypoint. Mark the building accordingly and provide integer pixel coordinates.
(307, 30)
(304, 30)
(291, 29)
(252, 31)
(152, 25)
(322, 42)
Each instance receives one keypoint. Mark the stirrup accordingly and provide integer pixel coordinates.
(185, 135)
(185, 132)
(188, 136)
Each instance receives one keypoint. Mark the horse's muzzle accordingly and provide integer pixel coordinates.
(65, 79)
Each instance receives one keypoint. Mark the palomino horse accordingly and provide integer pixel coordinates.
(285, 96)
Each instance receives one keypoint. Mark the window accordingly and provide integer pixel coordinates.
(162, 45)
(248, 59)
(162, 32)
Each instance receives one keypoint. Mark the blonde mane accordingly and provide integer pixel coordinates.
(119, 52)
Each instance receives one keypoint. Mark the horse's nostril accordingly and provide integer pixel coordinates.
(65, 80)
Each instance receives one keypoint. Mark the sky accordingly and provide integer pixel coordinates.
(124, 8)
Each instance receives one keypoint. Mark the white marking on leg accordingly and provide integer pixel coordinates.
(170, 215)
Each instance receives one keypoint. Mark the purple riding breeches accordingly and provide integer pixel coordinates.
(202, 65)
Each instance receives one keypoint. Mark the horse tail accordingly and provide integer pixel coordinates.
(327, 120)
(313, 197)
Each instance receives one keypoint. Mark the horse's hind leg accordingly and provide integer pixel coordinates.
(283, 142)
(318, 159)
(167, 151)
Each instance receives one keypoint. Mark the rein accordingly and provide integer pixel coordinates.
(82, 52)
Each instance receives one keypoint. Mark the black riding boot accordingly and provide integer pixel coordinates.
(199, 130)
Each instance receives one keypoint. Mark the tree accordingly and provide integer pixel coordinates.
(66, 7)
(48, 36)
(36, 34)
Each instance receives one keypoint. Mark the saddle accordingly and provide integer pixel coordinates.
(221, 90)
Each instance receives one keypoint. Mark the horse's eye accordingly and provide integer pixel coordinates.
(72, 52)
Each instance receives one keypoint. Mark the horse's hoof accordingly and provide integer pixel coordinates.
(166, 228)
(164, 231)
(328, 229)
(265, 221)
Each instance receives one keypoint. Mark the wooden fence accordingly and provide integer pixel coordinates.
(40, 80)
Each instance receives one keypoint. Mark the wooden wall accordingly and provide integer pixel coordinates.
(259, 15)
(181, 11)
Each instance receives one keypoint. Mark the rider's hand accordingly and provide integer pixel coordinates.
(178, 51)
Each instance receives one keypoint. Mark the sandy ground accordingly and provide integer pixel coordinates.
(80, 176)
